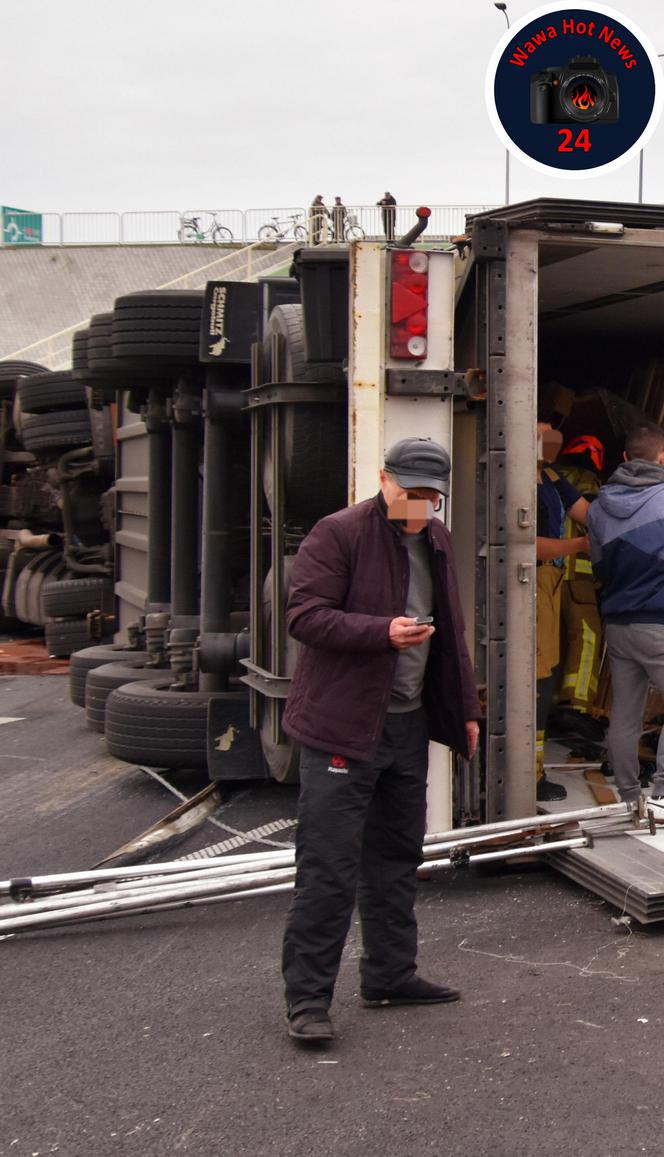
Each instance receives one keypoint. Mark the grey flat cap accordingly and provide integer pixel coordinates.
(419, 462)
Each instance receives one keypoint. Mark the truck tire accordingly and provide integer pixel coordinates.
(7, 502)
(79, 353)
(91, 657)
(27, 596)
(159, 302)
(42, 393)
(161, 326)
(17, 562)
(5, 552)
(100, 346)
(56, 431)
(147, 723)
(11, 371)
(106, 678)
(315, 434)
(64, 636)
(150, 347)
(46, 572)
(77, 596)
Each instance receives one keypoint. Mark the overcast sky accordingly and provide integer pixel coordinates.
(153, 104)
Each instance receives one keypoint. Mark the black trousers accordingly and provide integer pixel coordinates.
(360, 832)
(389, 217)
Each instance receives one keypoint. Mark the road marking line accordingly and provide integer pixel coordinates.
(11, 718)
(257, 835)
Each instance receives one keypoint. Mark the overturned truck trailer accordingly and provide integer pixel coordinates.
(298, 385)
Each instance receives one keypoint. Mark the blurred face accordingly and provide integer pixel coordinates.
(414, 508)
(549, 442)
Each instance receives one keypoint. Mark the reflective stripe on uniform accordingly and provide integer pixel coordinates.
(583, 682)
(584, 566)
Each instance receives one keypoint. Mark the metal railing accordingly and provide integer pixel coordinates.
(169, 226)
(245, 262)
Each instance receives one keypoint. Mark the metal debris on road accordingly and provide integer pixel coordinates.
(38, 902)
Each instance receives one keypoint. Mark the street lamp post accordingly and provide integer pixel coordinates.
(661, 56)
(503, 8)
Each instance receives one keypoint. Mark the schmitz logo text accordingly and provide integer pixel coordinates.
(217, 320)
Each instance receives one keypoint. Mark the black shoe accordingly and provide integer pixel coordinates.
(567, 721)
(414, 991)
(581, 749)
(547, 791)
(311, 1026)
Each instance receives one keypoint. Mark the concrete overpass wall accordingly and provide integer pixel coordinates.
(44, 290)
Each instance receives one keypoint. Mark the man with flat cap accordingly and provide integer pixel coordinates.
(383, 668)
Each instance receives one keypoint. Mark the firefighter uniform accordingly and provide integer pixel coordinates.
(555, 496)
(581, 627)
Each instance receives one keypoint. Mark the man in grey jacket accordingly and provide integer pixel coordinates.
(626, 531)
(383, 668)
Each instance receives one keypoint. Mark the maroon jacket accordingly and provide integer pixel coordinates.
(350, 579)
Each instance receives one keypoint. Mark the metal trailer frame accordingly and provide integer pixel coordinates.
(626, 870)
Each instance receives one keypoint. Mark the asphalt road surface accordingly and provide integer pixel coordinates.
(164, 1034)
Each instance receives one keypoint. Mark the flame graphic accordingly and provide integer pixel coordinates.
(584, 98)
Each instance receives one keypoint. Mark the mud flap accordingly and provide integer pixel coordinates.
(233, 748)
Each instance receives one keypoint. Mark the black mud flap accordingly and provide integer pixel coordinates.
(229, 322)
(233, 747)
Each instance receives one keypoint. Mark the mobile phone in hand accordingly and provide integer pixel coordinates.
(424, 620)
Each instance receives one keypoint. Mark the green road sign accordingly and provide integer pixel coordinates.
(20, 226)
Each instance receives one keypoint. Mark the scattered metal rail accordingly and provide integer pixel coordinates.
(40, 902)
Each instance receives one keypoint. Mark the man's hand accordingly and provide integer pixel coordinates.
(472, 732)
(405, 633)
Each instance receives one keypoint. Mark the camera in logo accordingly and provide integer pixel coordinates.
(583, 92)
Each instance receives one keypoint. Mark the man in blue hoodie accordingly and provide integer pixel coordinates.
(626, 531)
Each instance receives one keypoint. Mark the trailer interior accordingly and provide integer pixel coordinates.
(600, 307)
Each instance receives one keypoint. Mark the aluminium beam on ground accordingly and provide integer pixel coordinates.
(215, 891)
(25, 885)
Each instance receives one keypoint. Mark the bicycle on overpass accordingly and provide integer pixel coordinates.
(277, 230)
(204, 227)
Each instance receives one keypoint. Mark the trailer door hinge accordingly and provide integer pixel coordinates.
(523, 518)
(523, 571)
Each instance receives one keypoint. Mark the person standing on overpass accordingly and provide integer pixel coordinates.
(388, 206)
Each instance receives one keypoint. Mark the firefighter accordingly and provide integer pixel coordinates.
(556, 498)
(581, 463)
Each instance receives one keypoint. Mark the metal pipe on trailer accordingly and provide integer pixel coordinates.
(185, 505)
(222, 412)
(256, 536)
(278, 544)
(159, 502)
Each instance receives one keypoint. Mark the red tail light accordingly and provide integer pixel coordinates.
(409, 305)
